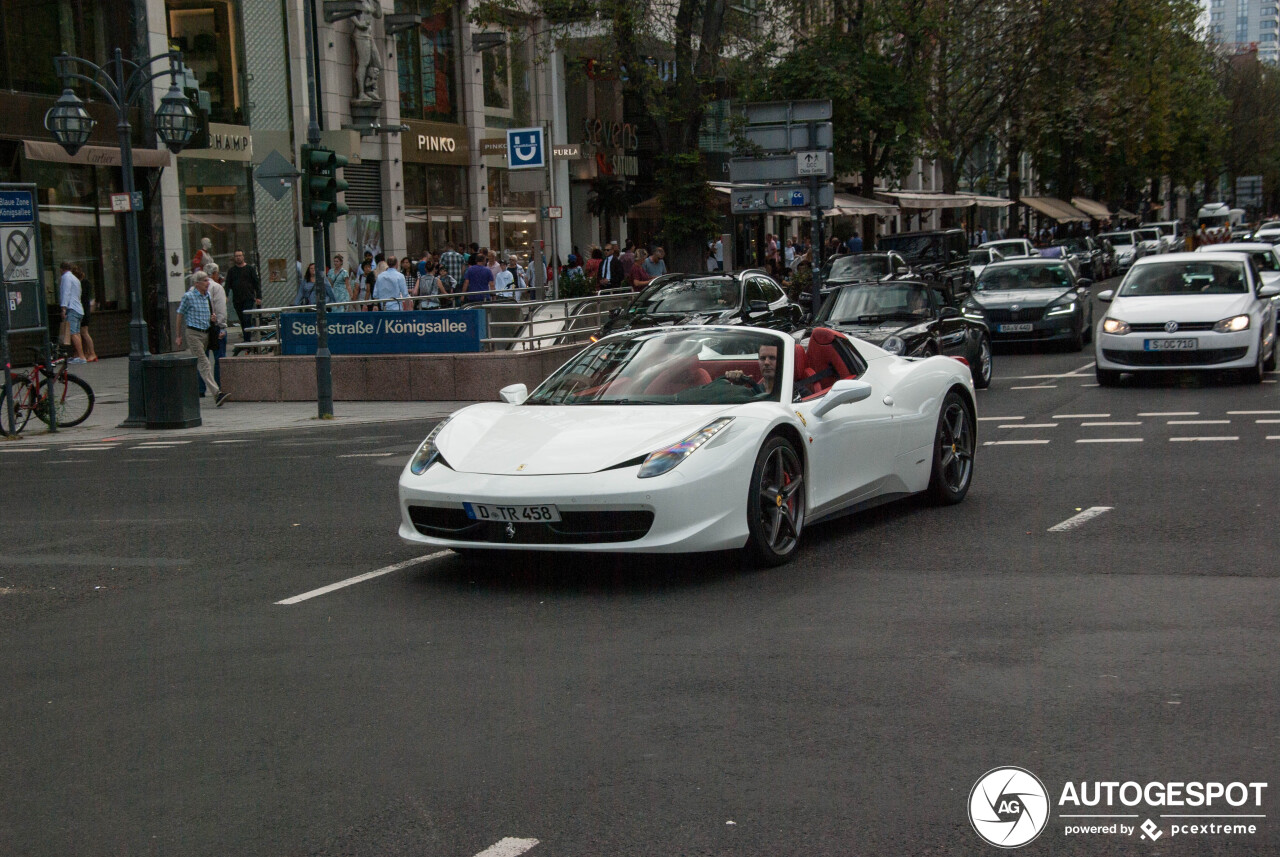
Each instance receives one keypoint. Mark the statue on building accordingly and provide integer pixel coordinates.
(368, 59)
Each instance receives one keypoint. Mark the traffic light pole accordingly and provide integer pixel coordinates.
(324, 369)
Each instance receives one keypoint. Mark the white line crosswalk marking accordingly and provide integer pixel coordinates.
(508, 847)
(1076, 520)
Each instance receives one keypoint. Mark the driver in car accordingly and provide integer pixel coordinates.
(767, 357)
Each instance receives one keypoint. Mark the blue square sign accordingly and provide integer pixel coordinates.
(526, 149)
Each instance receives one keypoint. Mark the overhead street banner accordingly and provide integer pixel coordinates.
(445, 331)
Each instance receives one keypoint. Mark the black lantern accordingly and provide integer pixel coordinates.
(176, 122)
(69, 122)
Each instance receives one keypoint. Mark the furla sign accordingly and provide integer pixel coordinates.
(435, 143)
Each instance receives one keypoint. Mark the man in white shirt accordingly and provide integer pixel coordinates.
(72, 309)
(720, 254)
(390, 284)
(505, 281)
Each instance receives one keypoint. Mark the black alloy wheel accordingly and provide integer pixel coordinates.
(1255, 373)
(953, 448)
(980, 364)
(1269, 365)
(775, 503)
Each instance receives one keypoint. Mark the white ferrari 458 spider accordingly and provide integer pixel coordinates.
(685, 439)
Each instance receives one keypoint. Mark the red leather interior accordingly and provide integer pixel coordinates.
(801, 370)
(823, 356)
(684, 375)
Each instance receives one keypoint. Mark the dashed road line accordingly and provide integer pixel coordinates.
(1250, 413)
(1013, 442)
(361, 578)
(1081, 416)
(997, 419)
(1037, 387)
(1266, 422)
(1076, 520)
(24, 449)
(1169, 414)
(1113, 423)
(230, 441)
(1273, 437)
(90, 448)
(367, 455)
(1198, 422)
(1029, 425)
(1110, 440)
(509, 847)
(1204, 439)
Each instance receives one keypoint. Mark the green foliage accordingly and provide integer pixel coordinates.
(575, 287)
(688, 208)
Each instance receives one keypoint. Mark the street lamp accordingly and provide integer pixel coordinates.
(125, 84)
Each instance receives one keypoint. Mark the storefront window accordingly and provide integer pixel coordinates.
(507, 78)
(33, 32)
(208, 34)
(217, 203)
(434, 207)
(427, 65)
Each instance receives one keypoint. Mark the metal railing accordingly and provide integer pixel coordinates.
(512, 325)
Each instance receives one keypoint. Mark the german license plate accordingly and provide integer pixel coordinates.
(1015, 328)
(1171, 344)
(511, 514)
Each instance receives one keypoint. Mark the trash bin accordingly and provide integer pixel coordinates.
(171, 387)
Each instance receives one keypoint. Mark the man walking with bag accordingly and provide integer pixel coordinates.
(197, 323)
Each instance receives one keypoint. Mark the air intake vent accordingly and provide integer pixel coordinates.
(364, 196)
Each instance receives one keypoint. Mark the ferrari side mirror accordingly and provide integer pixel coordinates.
(514, 394)
(842, 392)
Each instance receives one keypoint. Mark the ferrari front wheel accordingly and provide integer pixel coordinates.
(775, 503)
(952, 452)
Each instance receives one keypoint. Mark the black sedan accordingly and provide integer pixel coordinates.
(911, 319)
(743, 297)
(870, 267)
(1033, 300)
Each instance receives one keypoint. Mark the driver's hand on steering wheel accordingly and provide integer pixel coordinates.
(737, 376)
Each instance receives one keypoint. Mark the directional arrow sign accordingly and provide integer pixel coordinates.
(787, 138)
(781, 197)
(778, 168)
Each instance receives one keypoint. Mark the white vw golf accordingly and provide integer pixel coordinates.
(1180, 311)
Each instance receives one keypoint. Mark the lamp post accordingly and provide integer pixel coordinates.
(125, 84)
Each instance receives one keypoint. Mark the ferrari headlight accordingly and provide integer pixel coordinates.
(894, 345)
(1235, 324)
(1115, 325)
(663, 460)
(1062, 309)
(427, 453)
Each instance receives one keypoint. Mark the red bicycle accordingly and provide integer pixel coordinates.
(73, 398)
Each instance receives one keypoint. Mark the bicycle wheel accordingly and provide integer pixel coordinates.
(23, 404)
(74, 401)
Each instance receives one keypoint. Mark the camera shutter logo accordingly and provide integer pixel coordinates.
(1008, 807)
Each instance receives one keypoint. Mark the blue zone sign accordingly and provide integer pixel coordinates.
(17, 206)
(449, 331)
(525, 149)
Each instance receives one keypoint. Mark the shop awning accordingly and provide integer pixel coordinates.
(924, 199)
(1125, 214)
(1055, 209)
(988, 201)
(99, 156)
(1094, 209)
(849, 205)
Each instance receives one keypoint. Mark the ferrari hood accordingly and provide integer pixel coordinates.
(1022, 297)
(532, 440)
(1183, 308)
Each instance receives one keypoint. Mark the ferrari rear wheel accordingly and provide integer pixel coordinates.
(952, 452)
(775, 503)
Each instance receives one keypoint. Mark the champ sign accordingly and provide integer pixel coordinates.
(448, 331)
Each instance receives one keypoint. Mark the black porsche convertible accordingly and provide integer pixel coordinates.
(911, 319)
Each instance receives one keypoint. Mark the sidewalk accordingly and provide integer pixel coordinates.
(110, 382)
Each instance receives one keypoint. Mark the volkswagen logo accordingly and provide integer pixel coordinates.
(1014, 307)
(1008, 807)
(1170, 327)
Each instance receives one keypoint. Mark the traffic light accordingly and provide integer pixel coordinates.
(321, 185)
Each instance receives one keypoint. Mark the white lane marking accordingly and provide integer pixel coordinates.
(508, 847)
(1037, 387)
(1249, 413)
(997, 419)
(1273, 437)
(1268, 381)
(367, 455)
(1169, 414)
(1080, 416)
(1114, 423)
(1090, 385)
(231, 441)
(1085, 368)
(90, 448)
(1176, 439)
(1198, 422)
(46, 449)
(1030, 425)
(1109, 440)
(1266, 422)
(1012, 442)
(361, 578)
(164, 442)
(1076, 520)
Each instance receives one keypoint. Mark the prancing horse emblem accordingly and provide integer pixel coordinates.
(1170, 327)
(511, 531)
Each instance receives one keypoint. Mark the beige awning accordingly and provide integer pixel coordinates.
(99, 156)
(924, 199)
(1055, 209)
(988, 201)
(1094, 209)
(849, 205)
(1125, 214)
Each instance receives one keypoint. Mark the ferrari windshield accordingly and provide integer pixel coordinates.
(1004, 277)
(1184, 278)
(848, 268)
(684, 296)
(876, 302)
(679, 367)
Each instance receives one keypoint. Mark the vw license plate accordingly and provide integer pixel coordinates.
(1016, 328)
(1172, 344)
(511, 514)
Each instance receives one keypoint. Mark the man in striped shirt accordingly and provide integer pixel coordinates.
(197, 323)
(454, 263)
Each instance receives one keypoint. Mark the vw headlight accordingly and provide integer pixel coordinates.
(1062, 309)
(1115, 325)
(1235, 324)
(663, 460)
(427, 454)
(894, 345)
